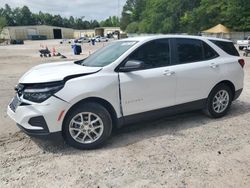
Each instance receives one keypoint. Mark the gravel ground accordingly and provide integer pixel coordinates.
(186, 150)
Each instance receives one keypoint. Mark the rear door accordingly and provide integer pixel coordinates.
(197, 69)
(153, 86)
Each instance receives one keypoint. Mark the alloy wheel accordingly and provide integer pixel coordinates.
(86, 127)
(220, 101)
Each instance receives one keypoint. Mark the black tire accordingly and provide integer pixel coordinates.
(209, 110)
(98, 110)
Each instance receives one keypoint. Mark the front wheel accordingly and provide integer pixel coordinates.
(219, 101)
(87, 126)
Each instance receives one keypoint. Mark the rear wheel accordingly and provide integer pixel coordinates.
(219, 101)
(87, 126)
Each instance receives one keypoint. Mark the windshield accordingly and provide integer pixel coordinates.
(107, 54)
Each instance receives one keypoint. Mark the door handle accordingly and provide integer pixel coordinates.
(213, 65)
(168, 73)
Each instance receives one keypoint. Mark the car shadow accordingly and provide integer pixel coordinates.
(133, 133)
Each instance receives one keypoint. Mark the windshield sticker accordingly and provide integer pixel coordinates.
(128, 43)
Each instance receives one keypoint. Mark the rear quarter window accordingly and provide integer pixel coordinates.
(227, 47)
(209, 52)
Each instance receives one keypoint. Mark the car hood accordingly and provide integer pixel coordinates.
(55, 71)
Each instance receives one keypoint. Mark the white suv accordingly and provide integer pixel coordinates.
(126, 81)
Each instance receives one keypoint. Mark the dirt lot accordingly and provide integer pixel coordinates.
(187, 150)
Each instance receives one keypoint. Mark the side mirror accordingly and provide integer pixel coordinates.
(131, 65)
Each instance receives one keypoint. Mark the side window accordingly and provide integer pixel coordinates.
(209, 53)
(154, 54)
(189, 50)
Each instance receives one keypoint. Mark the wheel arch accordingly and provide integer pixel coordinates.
(98, 100)
(229, 84)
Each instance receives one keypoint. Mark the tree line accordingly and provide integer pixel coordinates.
(184, 16)
(23, 16)
(147, 16)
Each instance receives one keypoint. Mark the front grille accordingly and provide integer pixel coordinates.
(14, 103)
(16, 100)
(19, 89)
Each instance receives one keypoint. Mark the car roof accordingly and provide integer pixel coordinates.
(152, 37)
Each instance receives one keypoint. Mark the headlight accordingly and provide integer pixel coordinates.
(41, 92)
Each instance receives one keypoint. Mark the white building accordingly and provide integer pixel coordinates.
(36, 32)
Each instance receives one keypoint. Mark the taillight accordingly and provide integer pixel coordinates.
(241, 62)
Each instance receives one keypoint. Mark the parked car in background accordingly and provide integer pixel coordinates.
(127, 81)
(65, 41)
(12, 41)
(101, 39)
(82, 40)
(243, 43)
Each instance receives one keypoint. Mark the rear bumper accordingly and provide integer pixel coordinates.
(237, 93)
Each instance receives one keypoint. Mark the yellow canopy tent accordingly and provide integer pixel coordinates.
(218, 30)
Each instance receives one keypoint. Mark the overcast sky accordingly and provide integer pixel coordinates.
(91, 9)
